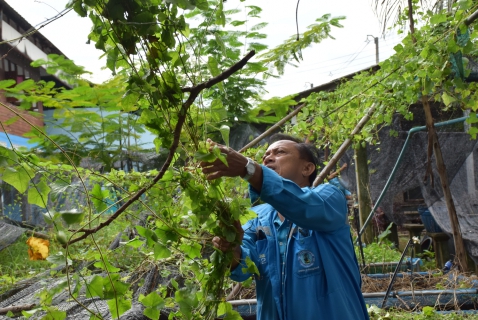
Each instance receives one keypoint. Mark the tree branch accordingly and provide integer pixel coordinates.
(194, 92)
(223, 76)
(17, 309)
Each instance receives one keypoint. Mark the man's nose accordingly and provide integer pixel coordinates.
(267, 159)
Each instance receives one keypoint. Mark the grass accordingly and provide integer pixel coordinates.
(428, 313)
(16, 265)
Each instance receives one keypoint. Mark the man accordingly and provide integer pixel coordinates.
(300, 240)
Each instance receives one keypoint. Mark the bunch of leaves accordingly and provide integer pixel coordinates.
(376, 252)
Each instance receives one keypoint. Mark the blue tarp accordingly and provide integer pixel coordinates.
(8, 139)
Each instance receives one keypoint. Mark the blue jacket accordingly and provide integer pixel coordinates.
(322, 278)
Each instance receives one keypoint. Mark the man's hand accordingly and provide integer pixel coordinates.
(236, 164)
(224, 245)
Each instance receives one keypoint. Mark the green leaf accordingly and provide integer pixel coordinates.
(473, 131)
(38, 194)
(187, 300)
(59, 259)
(385, 233)
(99, 197)
(11, 121)
(221, 44)
(72, 216)
(225, 130)
(165, 233)
(214, 69)
(213, 66)
(113, 287)
(7, 157)
(152, 313)
(95, 287)
(18, 178)
(54, 314)
(447, 99)
(157, 143)
(220, 16)
(153, 303)
(80, 9)
(111, 59)
(202, 4)
(193, 250)
(28, 313)
(149, 235)
(135, 243)
(251, 267)
(24, 85)
(438, 18)
(101, 264)
(206, 157)
(225, 309)
(218, 111)
(118, 306)
(161, 251)
(429, 311)
(7, 83)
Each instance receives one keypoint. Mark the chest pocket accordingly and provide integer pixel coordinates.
(306, 260)
(262, 247)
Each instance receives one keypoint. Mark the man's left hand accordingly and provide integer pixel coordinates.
(236, 164)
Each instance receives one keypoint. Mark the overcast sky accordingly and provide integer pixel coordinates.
(349, 52)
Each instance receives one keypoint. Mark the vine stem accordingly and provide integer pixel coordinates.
(194, 92)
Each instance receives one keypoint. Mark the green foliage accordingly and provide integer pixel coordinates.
(379, 252)
(171, 213)
(282, 55)
(376, 313)
(385, 233)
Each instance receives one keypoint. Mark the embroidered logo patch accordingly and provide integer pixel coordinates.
(306, 258)
(262, 258)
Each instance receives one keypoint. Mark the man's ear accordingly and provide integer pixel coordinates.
(308, 169)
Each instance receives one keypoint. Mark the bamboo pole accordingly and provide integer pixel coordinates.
(345, 145)
(273, 128)
(363, 191)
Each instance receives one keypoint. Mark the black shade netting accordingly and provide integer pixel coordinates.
(461, 161)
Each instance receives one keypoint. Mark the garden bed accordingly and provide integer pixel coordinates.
(410, 292)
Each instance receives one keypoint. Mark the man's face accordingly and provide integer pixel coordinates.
(283, 157)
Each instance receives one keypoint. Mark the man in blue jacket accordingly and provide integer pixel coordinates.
(300, 240)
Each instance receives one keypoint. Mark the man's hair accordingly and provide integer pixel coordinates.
(307, 151)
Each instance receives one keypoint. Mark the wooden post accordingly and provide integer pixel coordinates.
(460, 252)
(363, 191)
(440, 246)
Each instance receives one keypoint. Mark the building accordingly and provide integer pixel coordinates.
(16, 54)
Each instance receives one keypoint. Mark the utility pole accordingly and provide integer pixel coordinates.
(375, 40)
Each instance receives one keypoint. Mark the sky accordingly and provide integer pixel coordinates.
(353, 48)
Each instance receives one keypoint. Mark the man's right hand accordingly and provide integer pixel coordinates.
(224, 245)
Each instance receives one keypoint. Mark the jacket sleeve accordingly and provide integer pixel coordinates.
(323, 208)
(248, 250)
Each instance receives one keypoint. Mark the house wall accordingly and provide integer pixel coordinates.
(19, 127)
